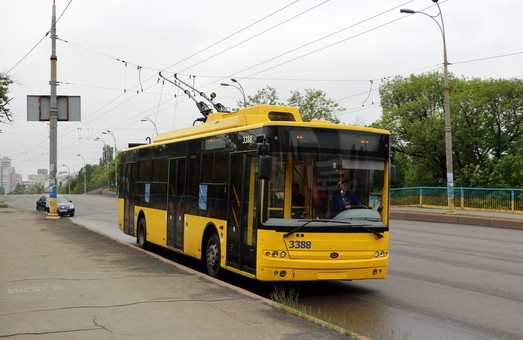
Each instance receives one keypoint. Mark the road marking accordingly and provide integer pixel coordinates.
(33, 289)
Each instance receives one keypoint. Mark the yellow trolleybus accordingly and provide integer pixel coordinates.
(252, 192)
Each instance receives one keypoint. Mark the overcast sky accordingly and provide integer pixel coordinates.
(110, 54)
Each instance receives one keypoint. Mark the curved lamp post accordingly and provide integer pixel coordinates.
(108, 132)
(239, 87)
(146, 119)
(446, 106)
(104, 159)
(85, 170)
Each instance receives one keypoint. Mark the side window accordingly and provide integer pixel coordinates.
(193, 175)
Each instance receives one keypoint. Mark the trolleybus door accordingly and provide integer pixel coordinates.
(175, 203)
(129, 187)
(241, 219)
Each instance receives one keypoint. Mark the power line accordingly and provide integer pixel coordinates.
(229, 36)
(487, 58)
(39, 41)
(256, 35)
(317, 40)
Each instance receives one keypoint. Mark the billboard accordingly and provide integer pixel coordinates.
(68, 108)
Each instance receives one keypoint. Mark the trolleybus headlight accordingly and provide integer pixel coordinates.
(267, 253)
(283, 254)
(374, 272)
(382, 253)
(274, 254)
(376, 254)
(283, 273)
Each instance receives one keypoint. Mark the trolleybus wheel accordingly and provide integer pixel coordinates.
(212, 256)
(141, 234)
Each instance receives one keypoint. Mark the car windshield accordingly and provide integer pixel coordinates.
(59, 199)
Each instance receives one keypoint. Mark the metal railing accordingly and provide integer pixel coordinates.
(505, 200)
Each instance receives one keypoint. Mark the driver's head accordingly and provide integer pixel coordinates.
(343, 184)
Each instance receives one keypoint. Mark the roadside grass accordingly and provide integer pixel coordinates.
(287, 301)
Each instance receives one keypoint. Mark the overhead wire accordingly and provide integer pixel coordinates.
(194, 54)
(322, 39)
(250, 77)
(256, 35)
(41, 39)
(313, 42)
(487, 58)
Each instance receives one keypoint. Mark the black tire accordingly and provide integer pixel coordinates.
(213, 256)
(141, 234)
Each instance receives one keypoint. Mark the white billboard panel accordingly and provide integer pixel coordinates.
(68, 108)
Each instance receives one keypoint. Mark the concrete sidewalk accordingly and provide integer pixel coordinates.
(60, 280)
(471, 217)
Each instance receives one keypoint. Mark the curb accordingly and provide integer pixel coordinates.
(458, 219)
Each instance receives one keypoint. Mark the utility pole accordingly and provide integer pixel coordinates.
(446, 106)
(53, 122)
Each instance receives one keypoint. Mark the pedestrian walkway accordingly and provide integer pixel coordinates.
(491, 219)
(59, 280)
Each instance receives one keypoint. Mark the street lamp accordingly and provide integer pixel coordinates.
(150, 120)
(85, 170)
(108, 132)
(239, 87)
(103, 153)
(68, 179)
(446, 106)
(101, 140)
(104, 159)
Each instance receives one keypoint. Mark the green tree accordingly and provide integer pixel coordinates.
(5, 81)
(18, 190)
(487, 126)
(315, 105)
(107, 156)
(312, 105)
(267, 96)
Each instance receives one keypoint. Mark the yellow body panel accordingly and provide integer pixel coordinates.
(355, 256)
(194, 228)
(253, 117)
(156, 224)
(121, 203)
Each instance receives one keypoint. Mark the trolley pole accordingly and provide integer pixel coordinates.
(53, 124)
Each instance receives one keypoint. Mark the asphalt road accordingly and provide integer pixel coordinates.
(445, 281)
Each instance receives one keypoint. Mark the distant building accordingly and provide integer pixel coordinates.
(18, 179)
(5, 174)
(8, 176)
(42, 179)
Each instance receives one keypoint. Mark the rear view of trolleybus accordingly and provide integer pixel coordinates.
(258, 192)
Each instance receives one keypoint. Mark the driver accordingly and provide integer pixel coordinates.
(343, 199)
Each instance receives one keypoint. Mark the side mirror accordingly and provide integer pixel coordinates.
(265, 167)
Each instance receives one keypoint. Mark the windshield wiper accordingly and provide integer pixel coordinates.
(299, 227)
(362, 226)
(371, 231)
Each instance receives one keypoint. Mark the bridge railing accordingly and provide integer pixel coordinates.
(506, 200)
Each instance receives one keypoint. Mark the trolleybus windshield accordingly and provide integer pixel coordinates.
(309, 164)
